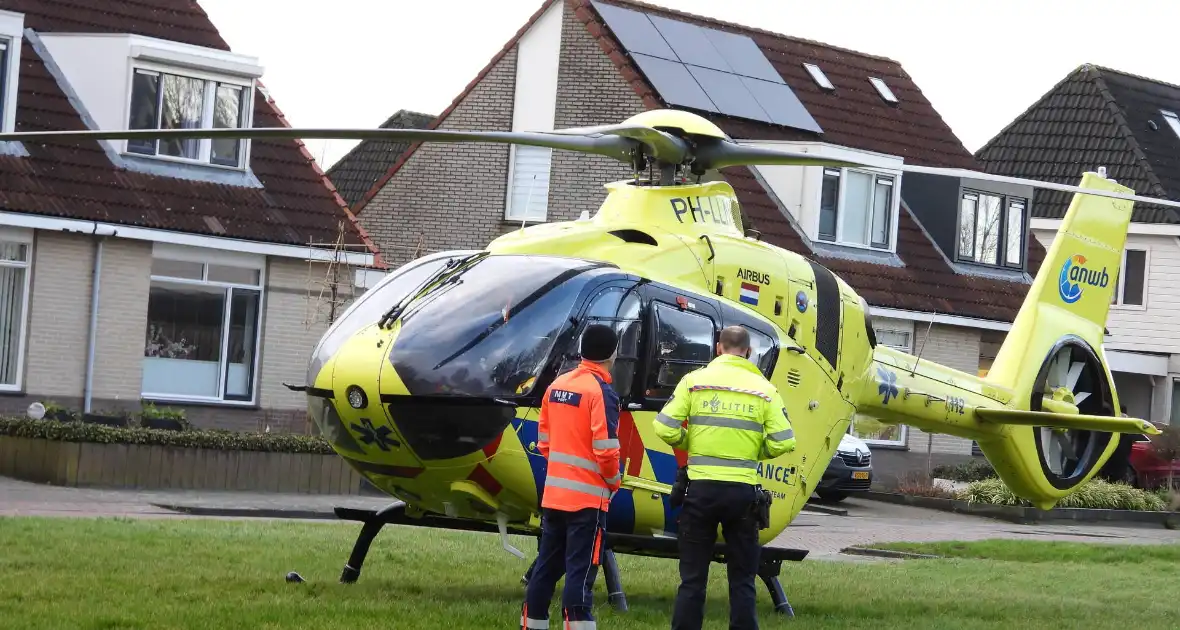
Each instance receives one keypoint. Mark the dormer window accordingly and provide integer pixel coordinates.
(857, 208)
(172, 100)
(991, 229)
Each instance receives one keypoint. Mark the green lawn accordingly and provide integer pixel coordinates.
(206, 574)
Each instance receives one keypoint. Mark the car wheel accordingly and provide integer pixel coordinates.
(832, 495)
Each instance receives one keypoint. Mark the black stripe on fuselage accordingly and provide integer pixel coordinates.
(827, 313)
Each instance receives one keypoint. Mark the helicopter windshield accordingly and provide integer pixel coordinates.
(491, 330)
(369, 307)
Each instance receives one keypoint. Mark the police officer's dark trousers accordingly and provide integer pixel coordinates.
(571, 543)
(707, 504)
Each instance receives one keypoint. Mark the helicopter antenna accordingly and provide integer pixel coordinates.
(528, 202)
(925, 338)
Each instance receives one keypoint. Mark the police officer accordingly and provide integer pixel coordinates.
(735, 418)
(578, 433)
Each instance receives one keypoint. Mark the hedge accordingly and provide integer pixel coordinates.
(974, 470)
(1096, 494)
(204, 438)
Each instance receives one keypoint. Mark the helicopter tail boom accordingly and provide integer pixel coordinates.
(1046, 415)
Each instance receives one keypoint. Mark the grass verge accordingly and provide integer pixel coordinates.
(208, 574)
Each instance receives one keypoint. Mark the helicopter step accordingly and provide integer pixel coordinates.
(660, 547)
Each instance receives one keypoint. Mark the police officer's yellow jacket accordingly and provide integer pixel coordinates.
(735, 418)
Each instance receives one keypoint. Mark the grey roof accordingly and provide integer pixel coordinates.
(354, 174)
(1095, 117)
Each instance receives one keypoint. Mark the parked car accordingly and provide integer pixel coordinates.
(851, 470)
(1138, 465)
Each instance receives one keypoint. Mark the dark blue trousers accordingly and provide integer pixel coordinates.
(571, 544)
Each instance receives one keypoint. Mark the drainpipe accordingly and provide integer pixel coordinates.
(89, 391)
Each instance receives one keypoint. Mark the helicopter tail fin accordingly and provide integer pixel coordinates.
(1061, 424)
(1046, 415)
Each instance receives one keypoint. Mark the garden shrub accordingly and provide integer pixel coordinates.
(1096, 494)
(974, 470)
(203, 438)
(918, 484)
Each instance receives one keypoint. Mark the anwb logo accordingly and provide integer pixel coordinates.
(1074, 274)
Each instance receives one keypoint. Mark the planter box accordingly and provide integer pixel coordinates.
(1031, 515)
(151, 467)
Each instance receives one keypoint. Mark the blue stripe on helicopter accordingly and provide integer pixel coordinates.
(620, 518)
(526, 430)
(664, 467)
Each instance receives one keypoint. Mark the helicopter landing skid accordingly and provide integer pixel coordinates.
(372, 526)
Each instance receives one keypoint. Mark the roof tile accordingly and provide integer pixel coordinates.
(76, 179)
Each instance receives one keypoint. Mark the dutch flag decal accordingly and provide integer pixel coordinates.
(749, 293)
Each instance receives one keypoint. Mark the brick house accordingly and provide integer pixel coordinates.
(356, 172)
(1098, 117)
(586, 62)
(185, 272)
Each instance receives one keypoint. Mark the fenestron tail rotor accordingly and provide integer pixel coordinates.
(666, 139)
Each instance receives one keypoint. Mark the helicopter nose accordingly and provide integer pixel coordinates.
(448, 428)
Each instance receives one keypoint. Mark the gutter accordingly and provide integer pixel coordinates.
(96, 282)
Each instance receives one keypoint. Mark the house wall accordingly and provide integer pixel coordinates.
(454, 196)
(953, 346)
(449, 196)
(295, 316)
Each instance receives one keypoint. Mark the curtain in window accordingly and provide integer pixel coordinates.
(12, 293)
(184, 102)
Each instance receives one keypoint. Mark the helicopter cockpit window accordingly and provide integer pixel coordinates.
(761, 352)
(684, 342)
(617, 307)
(368, 308)
(490, 331)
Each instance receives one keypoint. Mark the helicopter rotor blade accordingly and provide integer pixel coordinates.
(614, 146)
(721, 153)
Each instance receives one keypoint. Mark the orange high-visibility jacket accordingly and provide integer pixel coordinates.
(578, 433)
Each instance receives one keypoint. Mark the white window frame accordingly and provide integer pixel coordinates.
(1117, 304)
(1173, 121)
(817, 75)
(539, 191)
(842, 210)
(12, 27)
(883, 89)
(902, 429)
(24, 237)
(211, 80)
(206, 257)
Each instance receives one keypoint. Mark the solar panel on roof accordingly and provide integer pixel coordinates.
(742, 55)
(781, 104)
(634, 31)
(673, 81)
(690, 44)
(729, 94)
(705, 69)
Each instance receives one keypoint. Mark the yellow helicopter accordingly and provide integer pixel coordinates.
(429, 384)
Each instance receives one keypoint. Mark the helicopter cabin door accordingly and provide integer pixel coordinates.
(679, 336)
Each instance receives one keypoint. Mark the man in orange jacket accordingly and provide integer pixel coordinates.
(578, 433)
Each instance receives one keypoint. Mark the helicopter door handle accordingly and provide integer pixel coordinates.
(634, 406)
(709, 242)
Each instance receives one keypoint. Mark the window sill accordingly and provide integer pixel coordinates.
(527, 222)
(1129, 307)
(199, 402)
(857, 253)
(186, 169)
(885, 446)
(13, 391)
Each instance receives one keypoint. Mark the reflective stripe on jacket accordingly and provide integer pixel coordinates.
(735, 418)
(578, 433)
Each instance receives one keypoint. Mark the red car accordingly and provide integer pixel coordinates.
(1138, 465)
(1148, 470)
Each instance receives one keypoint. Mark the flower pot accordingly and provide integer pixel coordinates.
(166, 424)
(110, 421)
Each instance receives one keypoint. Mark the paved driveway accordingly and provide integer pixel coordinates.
(823, 534)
